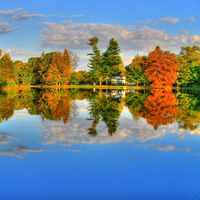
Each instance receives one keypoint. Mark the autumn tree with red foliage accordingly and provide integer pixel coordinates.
(161, 67)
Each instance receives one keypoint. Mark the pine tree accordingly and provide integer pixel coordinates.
(112, 61)
(95, 62)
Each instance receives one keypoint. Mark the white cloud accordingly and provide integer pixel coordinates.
(25, 149)
(10, 12)
(75, 36)
(172, 20)
(10, 153)
(5, 138)
(195, 39)
(22, 53)
(16, 14)
(6, 28)
(25, 16)
(166, 148)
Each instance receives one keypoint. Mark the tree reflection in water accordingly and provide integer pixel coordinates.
(105, 108)
(159, 107)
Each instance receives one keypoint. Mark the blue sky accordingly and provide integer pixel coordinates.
(29, 27)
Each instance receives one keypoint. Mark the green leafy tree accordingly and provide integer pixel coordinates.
(95, 62)
(189, 59)
(195, 71)
(135, 72)
(112, 61)
(23, 73)
(74, 79)
(18, 66)
(84, 77)
(33, 64)
(6, 70)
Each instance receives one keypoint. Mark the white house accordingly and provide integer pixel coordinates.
(118, 80)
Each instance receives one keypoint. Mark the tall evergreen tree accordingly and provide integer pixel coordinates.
(95, 62)
(112, 61)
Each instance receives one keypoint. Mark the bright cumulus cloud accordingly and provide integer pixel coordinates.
(75, 36)
(195, 39)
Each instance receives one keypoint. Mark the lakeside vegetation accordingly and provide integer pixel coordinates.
(57, 69)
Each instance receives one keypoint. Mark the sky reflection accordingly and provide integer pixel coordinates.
(33, 131)
(50, 153)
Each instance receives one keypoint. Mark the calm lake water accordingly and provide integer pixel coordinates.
(86, 144)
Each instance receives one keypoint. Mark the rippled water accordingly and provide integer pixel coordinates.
(87, 144)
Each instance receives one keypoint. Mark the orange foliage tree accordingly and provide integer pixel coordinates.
(55, 68)
(52, 75)
(64, 63)
(161, 67)
(160, 108)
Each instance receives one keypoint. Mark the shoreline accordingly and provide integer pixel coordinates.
(103, 87)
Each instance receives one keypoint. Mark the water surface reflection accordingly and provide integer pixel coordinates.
(78, 116)
(123, 136)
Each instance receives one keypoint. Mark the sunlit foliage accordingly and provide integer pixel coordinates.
(189, 65)
(135, 72)
(160, 108)
(161, 67)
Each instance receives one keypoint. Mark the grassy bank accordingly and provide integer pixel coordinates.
(76, 87)
(103, 87)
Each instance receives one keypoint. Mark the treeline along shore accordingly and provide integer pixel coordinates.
(105, 69)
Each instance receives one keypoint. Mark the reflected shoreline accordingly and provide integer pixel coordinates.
(78, 116)
(158, 106)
